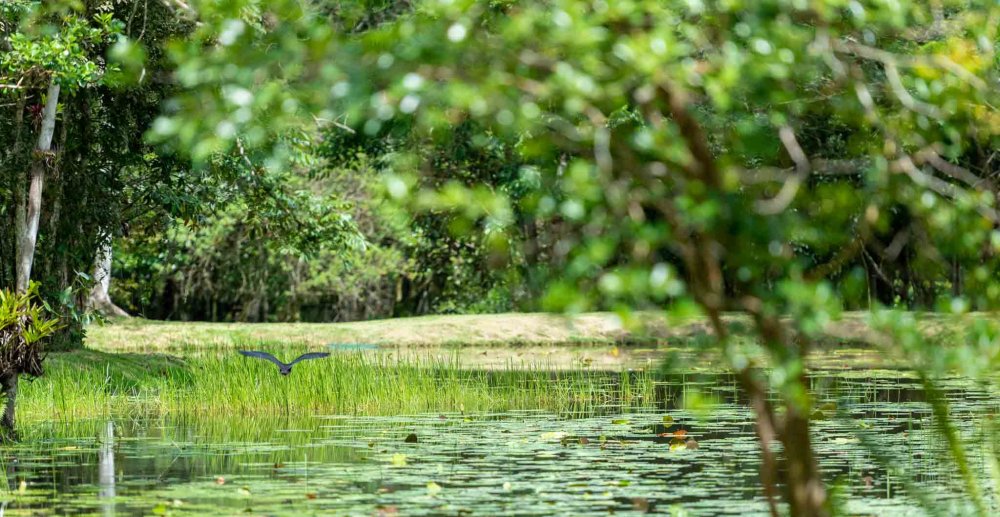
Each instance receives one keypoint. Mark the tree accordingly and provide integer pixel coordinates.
(100, 294)
(86, 81)
(57, 62)
(52, 61)
(717, 156)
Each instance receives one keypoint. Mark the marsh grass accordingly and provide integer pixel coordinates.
(87, 384)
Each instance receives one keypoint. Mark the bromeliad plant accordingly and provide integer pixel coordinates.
(23, 328)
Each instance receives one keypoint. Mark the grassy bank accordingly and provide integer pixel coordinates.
(90, 383)
(142, 367)
(441, 363)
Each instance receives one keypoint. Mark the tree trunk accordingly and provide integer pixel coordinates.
(27, 220)
(27, 226)
(56, 191)
(20, 186)
(806, 493)
(531, 254)
(100, 297)
(703, 254)
(12, 159)
(8, 380)
(956, 277)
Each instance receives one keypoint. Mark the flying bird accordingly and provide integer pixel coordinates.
(284, 368)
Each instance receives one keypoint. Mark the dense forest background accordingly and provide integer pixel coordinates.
(229, 239)
(223, 241)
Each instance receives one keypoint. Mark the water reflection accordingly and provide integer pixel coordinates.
(106, 470)
(615, 460)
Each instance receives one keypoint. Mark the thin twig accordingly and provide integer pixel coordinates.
(909, 61)
(790, 188)
(905, 165)
(907, 100)
(932, 158)
(818, 166)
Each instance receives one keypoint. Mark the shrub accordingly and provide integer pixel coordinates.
(23, 326)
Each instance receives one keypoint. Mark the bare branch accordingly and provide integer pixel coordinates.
(818, 167)
(904, 96)
(333, 122)
(905, 165)
(187, 10)
(885, 57)
(16, 86)
(895, 247)
(845, 254)
(931, 157)
(703, 165)
(780, 202)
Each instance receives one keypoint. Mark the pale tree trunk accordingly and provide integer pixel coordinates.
(26, 222)
(27, 225)
(100, 298)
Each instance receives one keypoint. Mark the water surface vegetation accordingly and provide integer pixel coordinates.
(688, 449)
(616, 426)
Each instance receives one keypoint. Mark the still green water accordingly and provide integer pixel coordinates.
(874, 436)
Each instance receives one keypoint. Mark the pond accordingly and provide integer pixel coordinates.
(675, 455)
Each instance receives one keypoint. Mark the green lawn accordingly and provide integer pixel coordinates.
(486, 329)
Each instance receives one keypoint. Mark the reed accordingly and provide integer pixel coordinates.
(89, 384)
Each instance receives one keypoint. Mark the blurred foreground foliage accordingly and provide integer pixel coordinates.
(787, 159)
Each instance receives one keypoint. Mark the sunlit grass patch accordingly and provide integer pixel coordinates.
(451, 330)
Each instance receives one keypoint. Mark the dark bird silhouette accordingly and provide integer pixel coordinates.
(285, 368)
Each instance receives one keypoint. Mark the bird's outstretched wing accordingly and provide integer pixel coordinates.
(310, 355)
(264, 355)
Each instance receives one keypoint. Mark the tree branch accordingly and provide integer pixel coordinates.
(790, 188)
